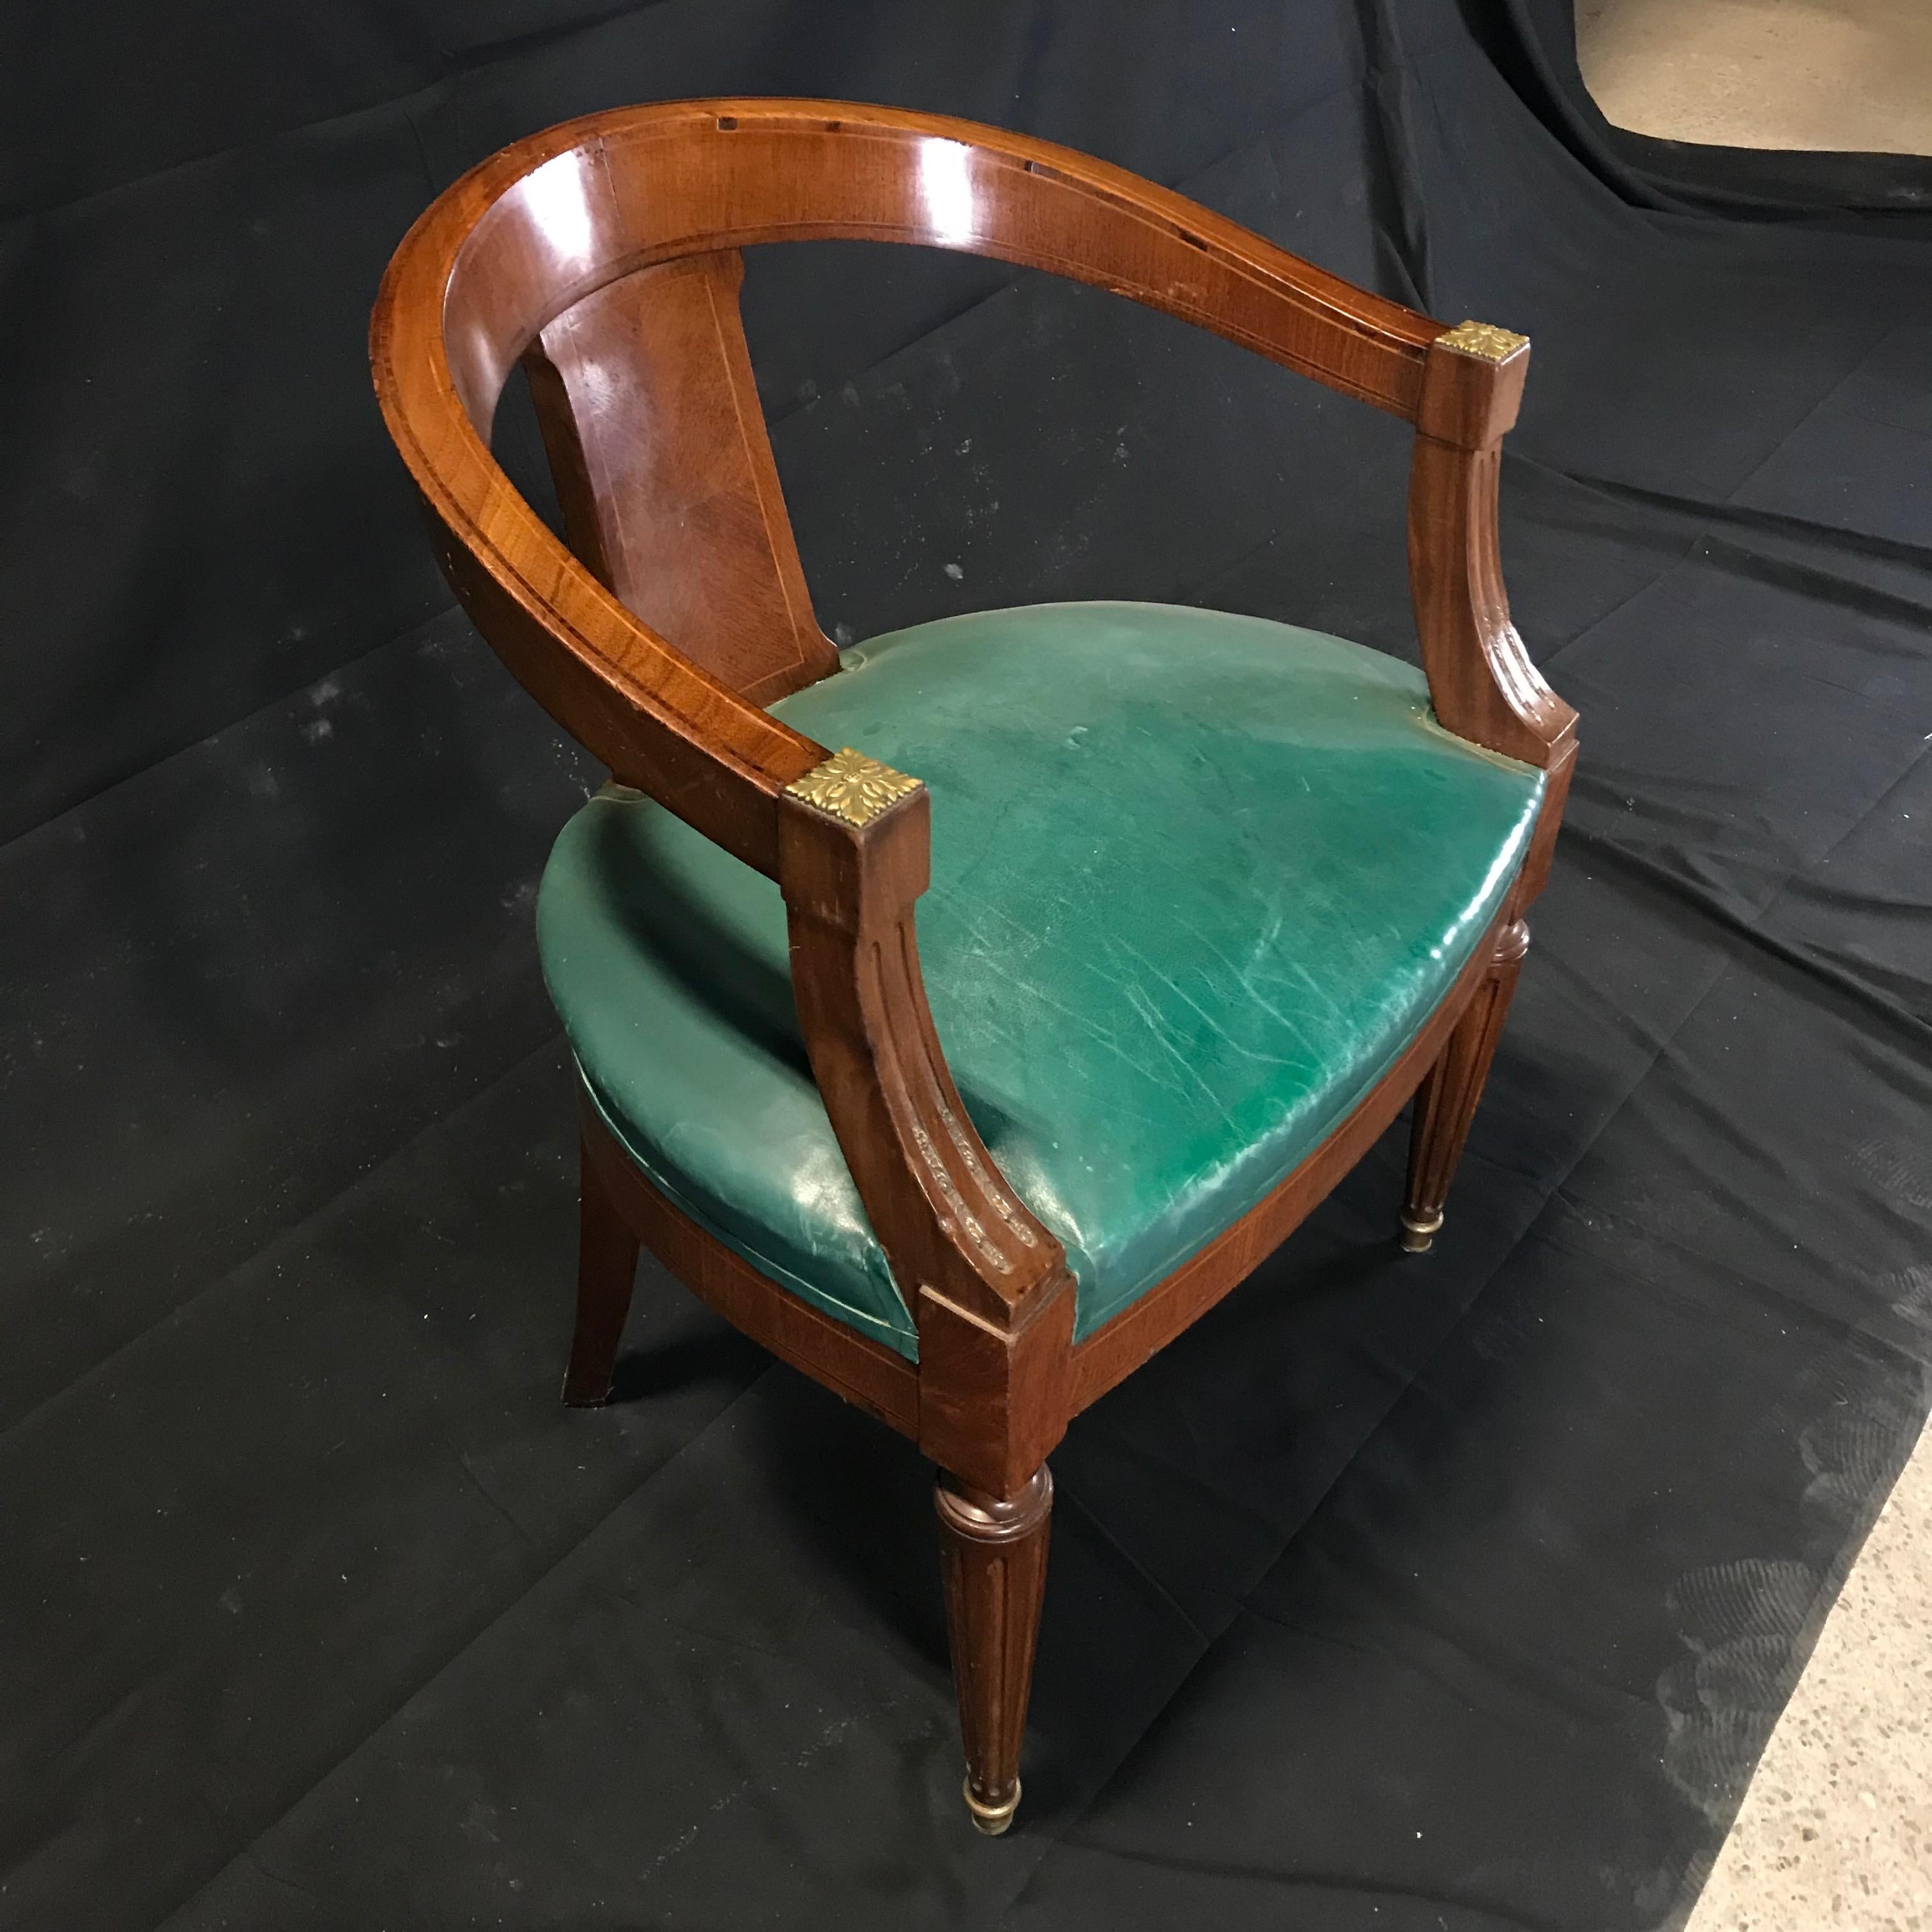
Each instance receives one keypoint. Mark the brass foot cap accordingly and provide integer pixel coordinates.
(991, 1818)
(1418, 1231)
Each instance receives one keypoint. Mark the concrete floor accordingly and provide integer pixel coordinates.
(1850, 74)
(1836, 1831)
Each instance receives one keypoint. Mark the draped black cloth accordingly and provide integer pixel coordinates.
(1454, 1594)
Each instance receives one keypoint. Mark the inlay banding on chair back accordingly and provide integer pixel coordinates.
(650, 415)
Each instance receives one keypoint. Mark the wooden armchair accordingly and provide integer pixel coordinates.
(1211, 897)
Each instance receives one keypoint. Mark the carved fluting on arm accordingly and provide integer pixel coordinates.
(948, 1221)
(1483, 685)
(986, 1283)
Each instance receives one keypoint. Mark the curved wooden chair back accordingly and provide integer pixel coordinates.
(603, 254)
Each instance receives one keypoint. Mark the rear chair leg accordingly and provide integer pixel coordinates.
(607, 1270)
(993, 1550)
(1445, 1102)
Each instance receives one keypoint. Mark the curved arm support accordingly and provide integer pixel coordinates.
(1481, 680)
(988, 1284)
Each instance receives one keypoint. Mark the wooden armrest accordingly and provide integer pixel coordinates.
(987, 1285)
(1481, 680)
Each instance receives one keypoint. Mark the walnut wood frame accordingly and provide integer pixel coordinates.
(603, 253)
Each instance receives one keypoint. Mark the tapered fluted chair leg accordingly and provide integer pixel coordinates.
(1445, 1102)
(606, 1271)
(994, 1553)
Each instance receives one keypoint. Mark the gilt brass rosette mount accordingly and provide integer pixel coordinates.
(1484, 339)
(850, 786)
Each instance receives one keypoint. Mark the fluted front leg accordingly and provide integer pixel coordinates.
(993, 1550)
(1445, 1102)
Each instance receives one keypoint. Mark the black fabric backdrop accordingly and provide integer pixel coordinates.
(1451, 1594)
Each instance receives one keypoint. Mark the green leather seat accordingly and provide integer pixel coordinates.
(1196, 880)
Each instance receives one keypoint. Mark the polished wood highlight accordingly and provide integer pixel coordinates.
(603, 254)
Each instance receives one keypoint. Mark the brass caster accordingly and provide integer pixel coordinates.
(1418, 1231)
(991, 1818)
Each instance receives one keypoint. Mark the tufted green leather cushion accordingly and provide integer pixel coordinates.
(1196, 879)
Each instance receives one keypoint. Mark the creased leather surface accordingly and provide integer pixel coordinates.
(1400, 1594)
(1196, 879)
